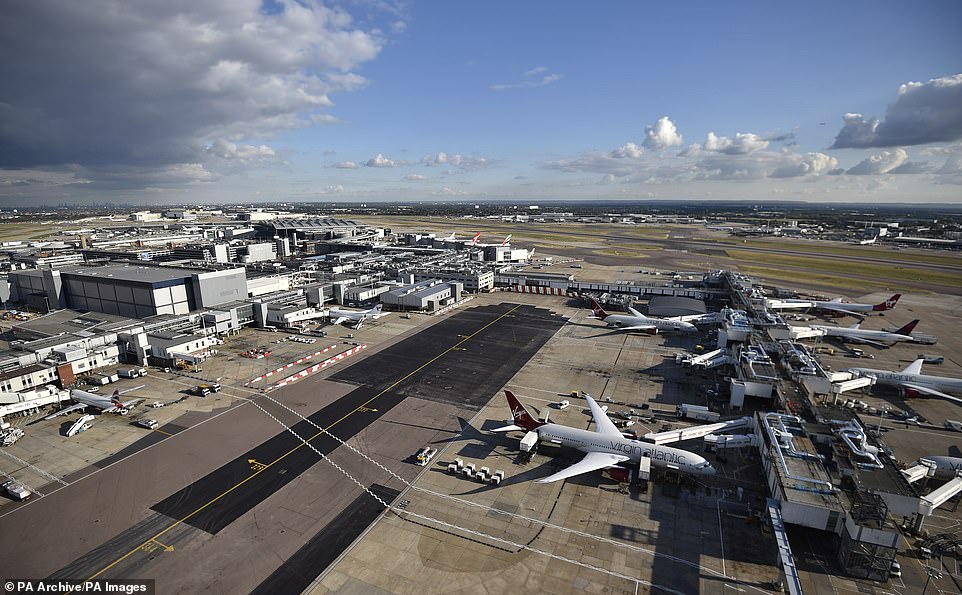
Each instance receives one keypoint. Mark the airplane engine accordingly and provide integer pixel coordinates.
(909, 393)
(619, 474)
(651, 331)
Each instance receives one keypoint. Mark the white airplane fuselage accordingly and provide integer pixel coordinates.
(857, 333)
(946, 467)
(939, 383)
(622, 320)
(590, 441)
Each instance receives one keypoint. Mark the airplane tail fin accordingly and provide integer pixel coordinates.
(475, 239)
(597, 310)
(907, 329)
(521, 416)
(115, 398)
(888, 304)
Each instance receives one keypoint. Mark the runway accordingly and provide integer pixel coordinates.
(270, 484)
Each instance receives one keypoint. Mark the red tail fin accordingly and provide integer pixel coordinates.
(888, 304)
(597, 310)
(907, 329)
(521, 416)
(115, 398)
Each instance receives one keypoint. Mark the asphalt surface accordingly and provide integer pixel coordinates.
(119, 522)
(466, 375)
(304, 566)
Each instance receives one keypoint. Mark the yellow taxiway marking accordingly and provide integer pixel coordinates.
(257, 472)
(163, 432)
(256, 466)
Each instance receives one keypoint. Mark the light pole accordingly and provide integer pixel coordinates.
(932, 573)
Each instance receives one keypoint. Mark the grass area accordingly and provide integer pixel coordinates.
(24, 231)
(819, 247)
(625, 251)
(879, 273)
(839, 283)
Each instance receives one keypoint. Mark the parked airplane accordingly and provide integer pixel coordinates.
(837, 305)
(81, 425)
(946, 467)
(474, 240)
(637, 321)
(356, 316)
(604, 447)
(854, 334)
(83, 399)
(912, 382)
(507, 240)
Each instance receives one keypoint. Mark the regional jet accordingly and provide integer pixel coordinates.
(854, 334)
(604, 447)
(636, 321)
(355, 316)
(84, 399)
(913, 383)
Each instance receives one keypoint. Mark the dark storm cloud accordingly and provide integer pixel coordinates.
(923, 113)
(147, 85)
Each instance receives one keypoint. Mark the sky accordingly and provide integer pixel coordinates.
(145, 103)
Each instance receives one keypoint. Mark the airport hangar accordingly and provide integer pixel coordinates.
(135, 291)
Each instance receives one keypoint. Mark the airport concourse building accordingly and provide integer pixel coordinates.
(130, 290)
(430, 295)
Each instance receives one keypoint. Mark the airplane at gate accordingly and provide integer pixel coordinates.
(854, 334)
(837, 305)
(604, 447)
(912, 382)
(636, 321)
(356, 316)
(83, 399)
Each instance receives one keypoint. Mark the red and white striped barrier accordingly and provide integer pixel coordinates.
(290, 365)
(316, 367)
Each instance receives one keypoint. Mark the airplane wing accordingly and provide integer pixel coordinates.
(339, 320)
(930, 392)
(914, 368)
(865, 341)
(635, 312)
(603, 425)
(830, 306)
(640, 327)
(66, 410)
(592, 462)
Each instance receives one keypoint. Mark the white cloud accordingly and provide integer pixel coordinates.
(454, 160)
(911, 167)
(922, 113)
(380, 160)
(627, 151)
(742, 144)
(415, 177)
(796, 165)
(535, 77)
(346, 165)
(696, 163)
(662, 134)
(446, 191)
(228, 150)
(881, 163)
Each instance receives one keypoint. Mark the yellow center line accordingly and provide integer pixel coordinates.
(303, 443)
(163, 432)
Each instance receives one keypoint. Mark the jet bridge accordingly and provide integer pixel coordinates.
(786, 559)
(712, 359)
(939, 496)
(924, 468)
(697, 431)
